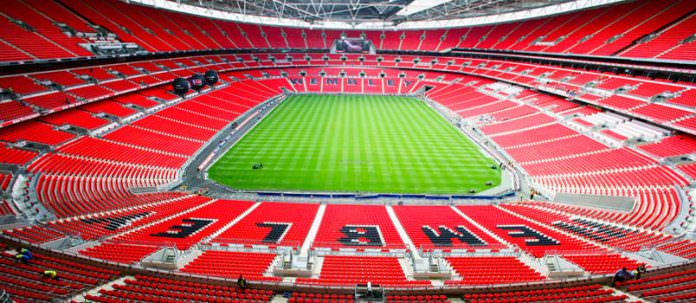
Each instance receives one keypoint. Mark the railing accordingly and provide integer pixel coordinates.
(584, 252)
(464, 249)
(249, 245)
(153, 243)
(5, 297)
(280, 285)
(443, 199)
(335, 248)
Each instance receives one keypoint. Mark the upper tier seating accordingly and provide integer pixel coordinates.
(24, 44)
(459, 97)
(44, 26)
(669, 43)
(599, 31)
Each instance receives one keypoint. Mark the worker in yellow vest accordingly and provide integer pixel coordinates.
(51, 274)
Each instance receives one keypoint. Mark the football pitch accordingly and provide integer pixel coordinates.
(366, 144)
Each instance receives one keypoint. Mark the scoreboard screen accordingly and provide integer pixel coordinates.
(352, 45)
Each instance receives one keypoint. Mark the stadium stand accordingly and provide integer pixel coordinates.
(492, 270)
(96, 156)
(667, 287)
(145, 288)
(232, 265)
(370, 226)
(272, 224)
(425, 224)
(340, 270)
(590, 293)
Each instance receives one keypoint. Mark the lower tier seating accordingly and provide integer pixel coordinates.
(231, 265)
(76, 118)
(25, 284)
(32, 131)
(303, 297)
(5, 180)
(576, 294)
(15, 156)
(6, 209)
(35, 234)
(492, 270)
(341, 270)
(155, 289)
(122, 152)
(126, 253)
(671, 146)
(602, 263)
(678, 286)
(683, 248)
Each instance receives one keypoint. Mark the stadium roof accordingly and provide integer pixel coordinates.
(374, 14)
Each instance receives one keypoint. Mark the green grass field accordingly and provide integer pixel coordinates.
(373, 144)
